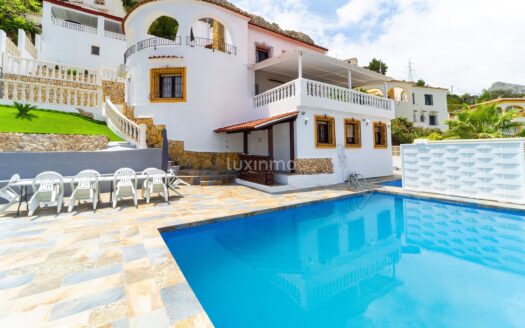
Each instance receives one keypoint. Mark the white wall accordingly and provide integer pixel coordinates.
(278, 42)
(219, 90)
(484, 169)
(66, 46)
(367, 160)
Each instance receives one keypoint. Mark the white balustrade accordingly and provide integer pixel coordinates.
(74, 26)
(40, 93)
(12, 49)
(132, 132)
(309, 88)
(49, 70)
(284, 91)
(30, 47)
(110, 74)
(113, 35)
(332, 92)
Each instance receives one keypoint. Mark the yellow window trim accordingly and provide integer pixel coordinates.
(357, 129)
(384, 143)
(154, 77)
(331, 121)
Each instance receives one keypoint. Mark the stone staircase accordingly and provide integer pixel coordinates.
(207, 177)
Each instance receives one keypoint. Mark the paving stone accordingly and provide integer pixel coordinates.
(135, 252)
(180, 302)
(77, 277)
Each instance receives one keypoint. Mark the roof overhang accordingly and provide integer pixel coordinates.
(319, 67)
(92, 11)
(259, 124)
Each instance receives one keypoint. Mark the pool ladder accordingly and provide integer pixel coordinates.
(359, 182)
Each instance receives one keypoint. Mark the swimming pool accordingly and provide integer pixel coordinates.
(395, 183)
(379, 260)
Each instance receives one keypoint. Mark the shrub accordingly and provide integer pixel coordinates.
(24, 109)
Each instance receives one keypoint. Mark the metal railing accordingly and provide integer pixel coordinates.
(211, 44)
(114, 35)
(192, 42)
(151, 43)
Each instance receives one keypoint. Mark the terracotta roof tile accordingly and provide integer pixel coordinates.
(255, 124)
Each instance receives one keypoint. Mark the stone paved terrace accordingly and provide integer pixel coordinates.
(112, 268)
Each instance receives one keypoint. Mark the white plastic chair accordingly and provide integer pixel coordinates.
(155, 182)
(48, 190)
(125, 185)
(9, 194)
(85, 187)
(175, 181)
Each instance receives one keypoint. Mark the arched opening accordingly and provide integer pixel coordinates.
(164, 27)
(518, 109)
(376, 92)
(398, 94)
(210, 33)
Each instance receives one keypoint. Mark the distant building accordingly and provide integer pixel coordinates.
(84, 33)
(424, 106)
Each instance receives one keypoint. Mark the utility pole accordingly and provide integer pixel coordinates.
(410, 71)
(451, 89)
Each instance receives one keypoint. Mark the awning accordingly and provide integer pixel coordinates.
(258, 124)
(318, 67)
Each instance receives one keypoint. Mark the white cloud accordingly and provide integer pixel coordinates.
(465, 43)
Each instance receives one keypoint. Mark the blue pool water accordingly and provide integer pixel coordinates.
(395, 183)
(382, 260)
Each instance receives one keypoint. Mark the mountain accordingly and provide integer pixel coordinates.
(509, 87)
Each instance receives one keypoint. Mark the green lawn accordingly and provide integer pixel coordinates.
(46, 121)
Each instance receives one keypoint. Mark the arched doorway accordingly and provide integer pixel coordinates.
(210, 33)
(398, 94)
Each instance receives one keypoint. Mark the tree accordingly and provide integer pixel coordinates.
(12, 16)
(378, 66)
(495, 94)
(164, 27)
(421, 83)
(404, 132)
(128, 4)
(483, 122)
(457, 103)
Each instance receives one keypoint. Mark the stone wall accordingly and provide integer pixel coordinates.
(114, 90)
(26, 142)
(201, 160)
(313, 165)
(43, 80)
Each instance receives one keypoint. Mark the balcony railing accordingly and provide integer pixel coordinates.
(195, 42)
(320, 94)
(211, 44)
(113, 35)
(74, 26)
(151, 43)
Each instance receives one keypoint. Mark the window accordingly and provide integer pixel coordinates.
(95, 50)
(429, 100)
(168, 84)
(414, 118)
(432, 119)
(262, 52)
(324, 131)
(380, 135)
(422, 118)
(353, 133)
(413, 98)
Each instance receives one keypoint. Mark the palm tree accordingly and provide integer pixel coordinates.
(483, 122)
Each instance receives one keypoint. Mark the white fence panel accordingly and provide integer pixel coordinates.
(481, 169)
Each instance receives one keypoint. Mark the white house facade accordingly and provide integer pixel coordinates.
(425, 106)
(84, 34)
(229, 83)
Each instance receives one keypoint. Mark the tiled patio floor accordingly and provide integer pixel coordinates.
(112, 268)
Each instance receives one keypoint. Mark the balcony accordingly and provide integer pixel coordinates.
(310, 93)
(211, 44)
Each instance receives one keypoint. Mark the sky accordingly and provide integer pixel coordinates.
(466, 44)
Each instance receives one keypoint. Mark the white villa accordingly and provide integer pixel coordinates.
(228, 85)
(425, 106)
